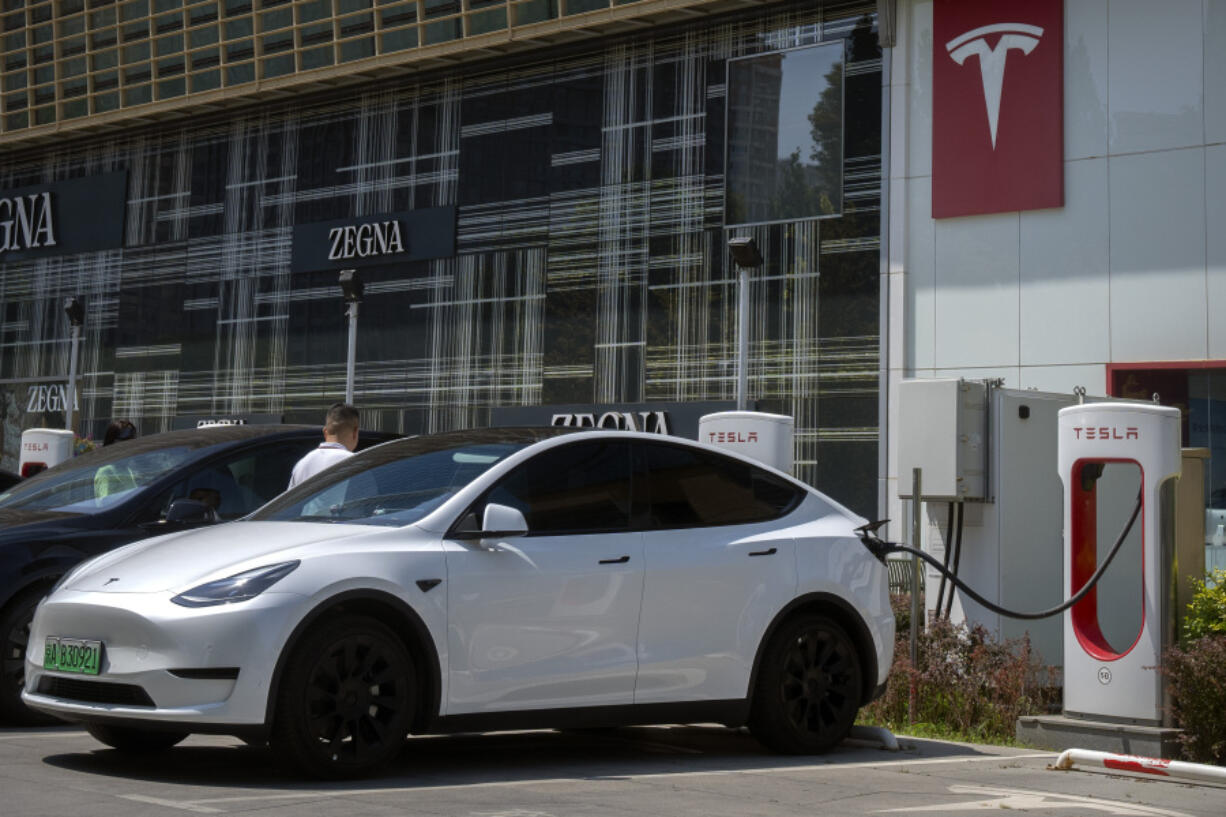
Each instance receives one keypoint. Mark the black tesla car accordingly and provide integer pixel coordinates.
(122, 493)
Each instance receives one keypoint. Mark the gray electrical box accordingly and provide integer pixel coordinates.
(943, 430)
(997, 447)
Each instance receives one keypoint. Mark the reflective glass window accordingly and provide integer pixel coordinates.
(278, 66)
(137, 96)
(206, 80)
(74, 108)
(534, 11)
(784, 155)
(104, 59)
(205, 35)
(106, 102)
(105, 81)
(689, 488)
(575, 488)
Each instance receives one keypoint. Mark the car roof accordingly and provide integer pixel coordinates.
(193, 438)
(425, 443)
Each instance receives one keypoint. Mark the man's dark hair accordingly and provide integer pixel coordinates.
(341, 417)
(118, 431)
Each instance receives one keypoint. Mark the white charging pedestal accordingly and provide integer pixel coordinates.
(1115, 678)
(765, 437)
(43, 448)
(1114, 637)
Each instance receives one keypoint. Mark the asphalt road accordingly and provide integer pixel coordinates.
(681, 770)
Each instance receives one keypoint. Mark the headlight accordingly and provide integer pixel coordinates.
(240, 587)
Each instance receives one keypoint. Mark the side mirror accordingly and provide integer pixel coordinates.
(503, 520)
(498, 521)
(190, 512)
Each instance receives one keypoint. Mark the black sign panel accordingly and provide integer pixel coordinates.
(75, 215)
(677, 419)
(187, 421)
(414, 235)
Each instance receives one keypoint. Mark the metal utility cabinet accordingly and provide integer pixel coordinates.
(994, 449)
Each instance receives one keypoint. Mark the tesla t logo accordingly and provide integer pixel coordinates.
(997, 106)
(992, 61)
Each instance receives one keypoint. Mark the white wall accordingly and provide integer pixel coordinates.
(1131, 269)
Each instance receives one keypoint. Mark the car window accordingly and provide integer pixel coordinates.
(576, 488)
(236, 486)
(89, 490)
(390, 491)
(688, 487)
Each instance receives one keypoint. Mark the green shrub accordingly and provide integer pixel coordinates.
(967, 683)
(1197, 677)
(1206, 613)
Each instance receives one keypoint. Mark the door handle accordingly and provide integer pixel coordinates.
(620, 561)
(767, 552)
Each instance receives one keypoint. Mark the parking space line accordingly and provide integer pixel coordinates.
(175, 804)
(210, 805)
(43, 735)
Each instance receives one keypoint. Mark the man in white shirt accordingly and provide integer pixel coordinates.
(340, 438)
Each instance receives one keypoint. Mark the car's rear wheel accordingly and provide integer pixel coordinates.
(808, 689)
(15, 632)
(134, 741)
(347, 701)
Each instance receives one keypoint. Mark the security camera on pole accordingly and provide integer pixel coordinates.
(747, 256)
(351, 289)
(76, 318)
(768, 438)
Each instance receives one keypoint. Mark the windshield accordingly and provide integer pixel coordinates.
(93, 488)
(377, 489)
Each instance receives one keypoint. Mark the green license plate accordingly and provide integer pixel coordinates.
(73, 655)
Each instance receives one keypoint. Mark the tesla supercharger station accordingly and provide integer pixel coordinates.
(43, 448)
(1108, 454)
(766, 437)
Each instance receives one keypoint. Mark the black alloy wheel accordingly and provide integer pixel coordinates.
(15, 631)
(348, 699)
(809, 687)
(134, 741)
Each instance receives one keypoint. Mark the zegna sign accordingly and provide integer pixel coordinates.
(412, 235)
(26, 222)
(75, 215)
(43, 397)
(653, 422)
(677, 419)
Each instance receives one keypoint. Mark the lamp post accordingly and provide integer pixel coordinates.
(351, 289)
(747, 256)
(76, 318)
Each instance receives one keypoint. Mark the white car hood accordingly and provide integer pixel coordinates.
(171, 561)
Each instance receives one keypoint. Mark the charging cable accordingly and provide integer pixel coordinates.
(879, 548)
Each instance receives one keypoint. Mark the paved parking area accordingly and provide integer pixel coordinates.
(682, 770)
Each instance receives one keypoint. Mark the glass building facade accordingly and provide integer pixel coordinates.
(73, 63)
(589, 265)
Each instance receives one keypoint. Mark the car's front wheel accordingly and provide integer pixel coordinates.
(15, 623)
(348, 698)
(808, 689)
(134, 741)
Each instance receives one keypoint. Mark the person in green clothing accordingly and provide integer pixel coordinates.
(111, 479)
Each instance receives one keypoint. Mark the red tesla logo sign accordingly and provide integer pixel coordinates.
(997, 106)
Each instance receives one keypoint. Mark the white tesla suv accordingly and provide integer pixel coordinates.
(475, 581)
